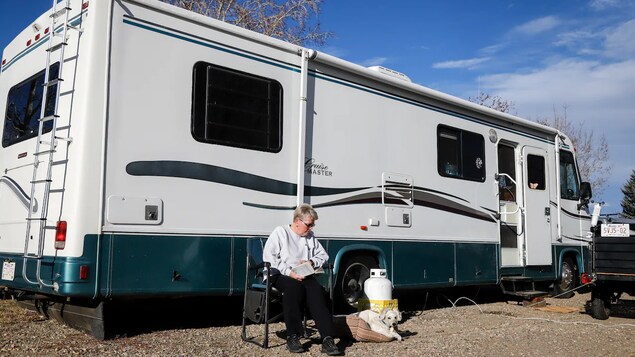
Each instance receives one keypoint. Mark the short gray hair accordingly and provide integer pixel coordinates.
(305, 210)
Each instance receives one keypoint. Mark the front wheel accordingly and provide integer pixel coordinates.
(563, 288)
(349, 287)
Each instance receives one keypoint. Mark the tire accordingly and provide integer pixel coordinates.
(567, 280)
(349, 286)
(600, 307)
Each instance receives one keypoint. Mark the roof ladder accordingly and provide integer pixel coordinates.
(45, 149)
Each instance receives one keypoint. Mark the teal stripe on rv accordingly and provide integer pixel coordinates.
(169, 265)
(209, 44)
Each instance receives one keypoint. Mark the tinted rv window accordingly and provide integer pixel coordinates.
(461, 154)
(236, 109)
(569, 184)
(536, 172)
(24, 104)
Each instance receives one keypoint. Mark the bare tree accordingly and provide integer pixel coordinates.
(295, 21)
(592, 151)
(493, 101)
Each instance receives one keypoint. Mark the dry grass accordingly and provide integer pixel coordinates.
(11, 313)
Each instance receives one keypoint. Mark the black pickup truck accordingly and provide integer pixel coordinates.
(613, 263)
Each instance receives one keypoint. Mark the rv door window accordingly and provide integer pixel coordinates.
(507, 165)
(238, 109)
(460, 154)
(569, 183)
(536, 172)
(24, 105)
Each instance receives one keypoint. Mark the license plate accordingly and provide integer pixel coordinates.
(8, 270)
(615, 230)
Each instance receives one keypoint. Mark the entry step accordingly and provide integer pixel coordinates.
(528, 294)
(517, 278)
(521, 286)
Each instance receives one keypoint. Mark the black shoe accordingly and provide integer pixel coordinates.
(294, 345)
(330, 348)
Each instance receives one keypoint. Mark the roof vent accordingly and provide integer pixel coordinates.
(390, 72)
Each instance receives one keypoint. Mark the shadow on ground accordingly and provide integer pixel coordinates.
(624, 308)
(139, 317)
(145, 316)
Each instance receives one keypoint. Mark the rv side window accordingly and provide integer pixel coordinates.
(569, 183)
(236, 109)
(24, 105)
(460, 154)
(536, 172)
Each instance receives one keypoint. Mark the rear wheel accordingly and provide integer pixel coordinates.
(600, 306)
(349, 287)
(567, 282)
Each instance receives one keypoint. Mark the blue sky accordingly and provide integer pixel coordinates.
(578, 54)
(540, 54)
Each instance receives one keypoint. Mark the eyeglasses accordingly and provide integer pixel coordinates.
(308, 225)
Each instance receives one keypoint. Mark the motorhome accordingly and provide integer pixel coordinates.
(143, 144)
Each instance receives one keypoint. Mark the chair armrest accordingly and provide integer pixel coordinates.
(260, 266)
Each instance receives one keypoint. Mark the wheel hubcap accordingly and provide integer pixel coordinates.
(566, 277)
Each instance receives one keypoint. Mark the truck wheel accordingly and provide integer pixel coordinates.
(349, 286)
(567, 280)
(600, 307)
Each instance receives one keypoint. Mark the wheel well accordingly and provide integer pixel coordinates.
(344, 256)
(574, 257)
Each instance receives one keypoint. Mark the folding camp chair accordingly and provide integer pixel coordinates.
(260, 295)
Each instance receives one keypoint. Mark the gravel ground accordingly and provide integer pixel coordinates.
(493, 327)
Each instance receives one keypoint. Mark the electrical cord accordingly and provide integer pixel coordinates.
(453, 303)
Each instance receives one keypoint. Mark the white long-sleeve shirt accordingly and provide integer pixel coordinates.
(285, 249)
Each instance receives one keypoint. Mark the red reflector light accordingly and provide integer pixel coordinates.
(60, 235)
(85, 5)
(4, 61)
(28, 43)
(37, 37)
(46, 30)
(83, 272)
(586, 278)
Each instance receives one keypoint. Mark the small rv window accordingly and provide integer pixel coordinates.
(24, 105)
(236, 109)
(536, 172)
(569, 183)
(460, 154)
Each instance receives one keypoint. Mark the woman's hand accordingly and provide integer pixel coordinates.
(295, 276)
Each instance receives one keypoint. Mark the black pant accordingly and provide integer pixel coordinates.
(297, 294)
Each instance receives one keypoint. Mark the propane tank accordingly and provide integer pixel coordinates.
(378, 287)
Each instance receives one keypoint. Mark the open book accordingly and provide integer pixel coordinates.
(306, 269)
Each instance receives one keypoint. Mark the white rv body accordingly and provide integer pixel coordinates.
(154, 210)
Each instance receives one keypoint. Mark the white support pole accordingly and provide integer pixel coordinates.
(304, 70)
(558, 193)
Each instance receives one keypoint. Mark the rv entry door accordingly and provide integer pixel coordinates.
(537, 207)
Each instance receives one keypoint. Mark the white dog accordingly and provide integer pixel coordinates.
(384, 323)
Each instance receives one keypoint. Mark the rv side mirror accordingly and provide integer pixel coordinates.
(585, 191)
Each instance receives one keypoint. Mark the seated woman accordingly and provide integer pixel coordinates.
(287, 247)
